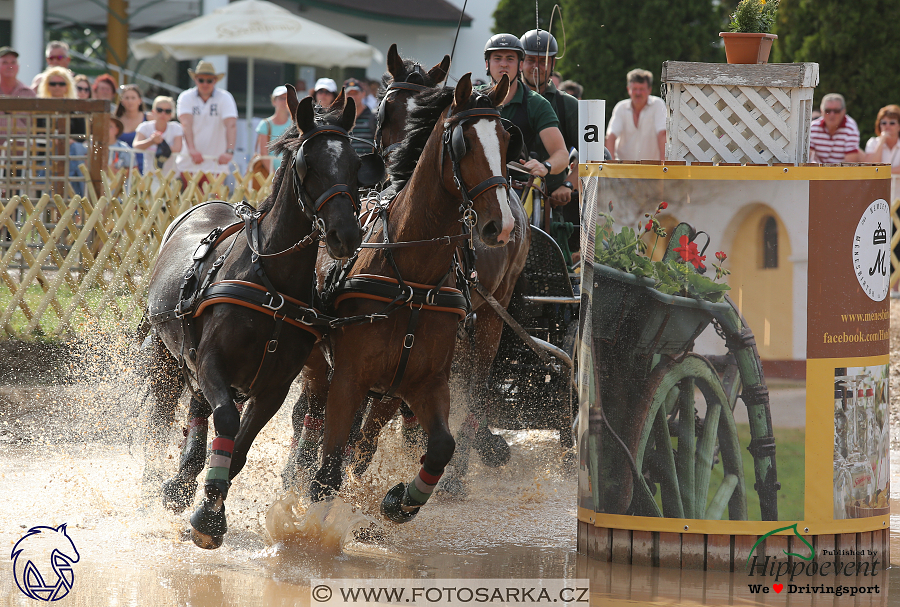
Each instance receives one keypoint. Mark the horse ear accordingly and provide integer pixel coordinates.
(348, 119)
(439, 72)
(339, 100)
(463, 90)
(305, 117)
(499, 92)
(292, 101)
(395, 63)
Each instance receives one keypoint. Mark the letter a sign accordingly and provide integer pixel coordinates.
(591, 130)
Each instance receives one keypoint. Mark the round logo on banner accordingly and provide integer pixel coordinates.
(872, 250)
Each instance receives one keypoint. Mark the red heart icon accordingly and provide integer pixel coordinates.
(778, 587)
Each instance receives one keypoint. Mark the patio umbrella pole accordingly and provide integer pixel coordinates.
(250, 140)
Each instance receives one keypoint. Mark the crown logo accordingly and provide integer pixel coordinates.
(880, 236)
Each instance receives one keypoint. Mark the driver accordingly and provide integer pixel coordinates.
(503, 54)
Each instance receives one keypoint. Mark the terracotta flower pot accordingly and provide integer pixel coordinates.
(746, 47)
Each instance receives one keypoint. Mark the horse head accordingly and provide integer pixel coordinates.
(405, 79)
(476, 143)
(325, 170)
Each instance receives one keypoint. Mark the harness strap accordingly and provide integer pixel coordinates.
(271, 346)
(408, 340)
(481, 188)
(382, 288)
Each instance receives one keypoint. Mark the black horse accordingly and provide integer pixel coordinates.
(237, 320)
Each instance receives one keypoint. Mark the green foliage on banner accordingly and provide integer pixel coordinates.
(853, 43)
(607, 38)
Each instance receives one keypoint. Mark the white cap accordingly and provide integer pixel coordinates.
(326, 83)
(279, 91)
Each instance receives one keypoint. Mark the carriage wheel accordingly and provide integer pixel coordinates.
(679, 447)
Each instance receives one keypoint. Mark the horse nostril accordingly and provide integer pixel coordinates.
(334, 243)
(490, 231)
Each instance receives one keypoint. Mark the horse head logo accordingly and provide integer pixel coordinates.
(42, 563)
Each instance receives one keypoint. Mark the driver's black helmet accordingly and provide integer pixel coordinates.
(536, 42)
(503, 42)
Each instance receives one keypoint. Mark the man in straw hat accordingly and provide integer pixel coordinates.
(209, 118)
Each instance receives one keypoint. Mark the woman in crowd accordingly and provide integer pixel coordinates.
(273, 127)
(160, 137)
(131, 112)
(57, 83)
(105, 88)
(82, 86)
(884, 146)
(325, 92)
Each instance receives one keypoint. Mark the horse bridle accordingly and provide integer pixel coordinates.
(382, 112)
(371, 171)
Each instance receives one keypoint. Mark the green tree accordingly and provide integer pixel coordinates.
(604, 39)
(517, 16)
(853, 43)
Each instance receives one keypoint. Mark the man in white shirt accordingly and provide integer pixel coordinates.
(637, 129)
(209, 118)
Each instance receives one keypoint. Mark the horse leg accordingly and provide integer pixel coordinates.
(403, 501)
(257, 414)
(178, 492)
(380, 414)
(345, 396)
(492, 448)
(208, 521)
(308, 420)
(166, 386)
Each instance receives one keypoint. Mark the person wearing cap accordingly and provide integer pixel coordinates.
(208, 116)
(637, 129)
(504, 54)
(540, 59)
(273, 127)
(10, 86)
(325, 92)
(365, 119)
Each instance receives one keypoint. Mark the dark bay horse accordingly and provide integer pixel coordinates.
(455, 159)
(498, 269)
(239, 324)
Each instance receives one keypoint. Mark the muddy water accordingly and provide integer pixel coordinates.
(73, 455)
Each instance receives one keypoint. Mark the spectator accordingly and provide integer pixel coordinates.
(273, 127)
(118, 158)
(56, 83)
(105, 88)
(325, 92)
(365, 119)
(82, 87)
(57, 55)
(160, 137)
(300, 87)
(834, 137)
(372, 95)
(637, 129)
(131, 112)
(884, 146)
(10, 86)
(571, 87)
(209, 118)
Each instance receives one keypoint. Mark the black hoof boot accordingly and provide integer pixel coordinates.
(396, 506)
(319, 492)
(208, 524)
(178, 494)
(493, 448)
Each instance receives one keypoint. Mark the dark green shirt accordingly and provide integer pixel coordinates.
(561, 103)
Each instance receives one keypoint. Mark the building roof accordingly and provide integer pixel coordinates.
(415, 12)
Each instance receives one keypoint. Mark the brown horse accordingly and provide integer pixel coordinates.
(455, 156)
(498, 269)
(238, 324)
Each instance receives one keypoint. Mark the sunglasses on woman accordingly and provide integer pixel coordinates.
(83, 89)
(166, 110)
(56, 84)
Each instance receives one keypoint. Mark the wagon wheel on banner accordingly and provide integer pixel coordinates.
(684, 441)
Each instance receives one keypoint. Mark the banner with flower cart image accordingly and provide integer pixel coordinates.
(692, 396)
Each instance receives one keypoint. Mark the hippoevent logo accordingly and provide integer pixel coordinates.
(797, 574)
(42, 563)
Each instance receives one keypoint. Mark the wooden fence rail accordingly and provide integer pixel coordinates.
(92, 262)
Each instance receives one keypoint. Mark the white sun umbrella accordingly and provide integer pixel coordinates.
(255, 29)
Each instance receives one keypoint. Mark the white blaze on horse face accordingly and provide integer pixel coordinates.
(486, 131)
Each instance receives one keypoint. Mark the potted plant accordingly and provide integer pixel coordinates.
(748, 39)
(649, 306)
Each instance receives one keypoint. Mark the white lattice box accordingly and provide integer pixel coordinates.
(753, 114)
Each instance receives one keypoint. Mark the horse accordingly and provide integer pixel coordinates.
(454, 139)
(220, 326)
(498, 270)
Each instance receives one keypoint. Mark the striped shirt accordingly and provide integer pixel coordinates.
(364, 129)
(831, 148)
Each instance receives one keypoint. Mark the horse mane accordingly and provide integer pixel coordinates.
(428, 109)
(287, 144)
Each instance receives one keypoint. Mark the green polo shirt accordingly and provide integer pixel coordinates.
(540, 116)
(561, 102)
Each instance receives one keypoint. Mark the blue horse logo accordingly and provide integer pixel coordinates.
(41, 551)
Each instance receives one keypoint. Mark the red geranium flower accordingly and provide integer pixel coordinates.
(689, 253)
(663, 205)
(721, 256)
(649, 226)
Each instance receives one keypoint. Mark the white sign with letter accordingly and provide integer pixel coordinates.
(591, 130)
